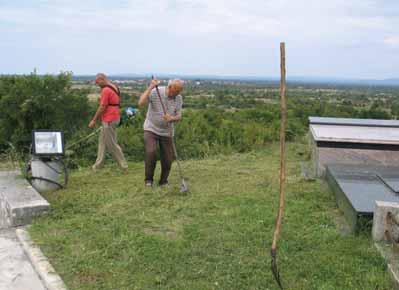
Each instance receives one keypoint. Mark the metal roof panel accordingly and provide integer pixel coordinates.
(354, 122)
(355, 134)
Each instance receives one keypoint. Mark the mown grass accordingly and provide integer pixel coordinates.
(107, 231)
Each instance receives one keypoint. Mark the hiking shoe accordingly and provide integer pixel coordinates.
(165, 184)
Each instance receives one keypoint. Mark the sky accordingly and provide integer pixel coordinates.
(334, 38)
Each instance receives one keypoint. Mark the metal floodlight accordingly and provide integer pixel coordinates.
(47, 143)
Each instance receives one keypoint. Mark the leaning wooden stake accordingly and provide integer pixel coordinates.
(279, 220)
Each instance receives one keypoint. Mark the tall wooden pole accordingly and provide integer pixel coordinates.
(279, 219)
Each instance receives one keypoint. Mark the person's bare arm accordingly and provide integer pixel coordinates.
(98, 114)
(145, 96)
(174, 118)
(169, 118)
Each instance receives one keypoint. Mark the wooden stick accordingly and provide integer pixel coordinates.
(279, 219)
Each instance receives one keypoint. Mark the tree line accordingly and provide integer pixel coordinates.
(208, 127)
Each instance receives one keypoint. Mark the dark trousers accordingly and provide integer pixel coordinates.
(165, 145)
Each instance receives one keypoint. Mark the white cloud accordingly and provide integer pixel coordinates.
(223, 30)
(257, 17)
(392, 41)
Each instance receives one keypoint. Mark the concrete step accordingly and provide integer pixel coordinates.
(19, 202)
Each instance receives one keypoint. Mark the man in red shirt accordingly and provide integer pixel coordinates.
(110, 118)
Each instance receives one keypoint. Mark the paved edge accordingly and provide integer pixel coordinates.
(393, 274)
(42, 266)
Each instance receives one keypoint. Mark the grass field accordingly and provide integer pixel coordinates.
(106, 231)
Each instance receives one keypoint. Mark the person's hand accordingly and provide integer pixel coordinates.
(154, 83)
(92, 124)
(168, 118)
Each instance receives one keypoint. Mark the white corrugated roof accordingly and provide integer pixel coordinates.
(354, 122)
(355, 130)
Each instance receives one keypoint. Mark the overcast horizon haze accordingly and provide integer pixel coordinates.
(356, 39)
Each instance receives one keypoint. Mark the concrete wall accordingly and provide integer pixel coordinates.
(19, 202)
(322, 156)
(380, 221)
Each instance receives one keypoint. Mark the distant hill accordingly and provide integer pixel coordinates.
(343, 81)
(391, 82)
(293, 79)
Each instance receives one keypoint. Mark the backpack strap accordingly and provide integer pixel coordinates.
(116, 91)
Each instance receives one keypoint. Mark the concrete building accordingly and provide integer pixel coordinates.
(353, 142)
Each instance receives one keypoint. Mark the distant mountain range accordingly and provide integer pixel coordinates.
(342, 81)
(293, 79)
(305, 80)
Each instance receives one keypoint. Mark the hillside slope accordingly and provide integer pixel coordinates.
(107, 231)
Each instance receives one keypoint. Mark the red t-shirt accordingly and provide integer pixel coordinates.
(111, 113)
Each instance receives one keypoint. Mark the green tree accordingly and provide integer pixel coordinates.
(39, 102)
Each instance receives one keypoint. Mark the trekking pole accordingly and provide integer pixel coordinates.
(277, 230)
(183, 186)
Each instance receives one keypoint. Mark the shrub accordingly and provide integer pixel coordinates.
(39, 102)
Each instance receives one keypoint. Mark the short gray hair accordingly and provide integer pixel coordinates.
(171, 82)
(176, 84)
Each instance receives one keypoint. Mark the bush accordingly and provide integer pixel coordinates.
(39, 102)
(49, 102)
